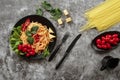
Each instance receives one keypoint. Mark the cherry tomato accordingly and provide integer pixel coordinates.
(20, 47)
(116, 39)
(28, 50)
(103, 42)
(107, 39)
(111, 41)
(28, 46)
(32, 53)
(104, 46)
(27, 55)
(103, 38)
(24, 49)
(114, 43)
(108, 36)
(98, 41)
(115, 36)
(108, 46)
(99, 46)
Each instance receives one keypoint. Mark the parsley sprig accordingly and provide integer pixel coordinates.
(56, 13)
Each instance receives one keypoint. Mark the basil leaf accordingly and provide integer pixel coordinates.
(47, 6)
(34, 29)
(39, 12)
(56, 13)
(28, 33)
(30, 40)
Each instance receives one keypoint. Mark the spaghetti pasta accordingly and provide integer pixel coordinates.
(103, 16)
(41, 37)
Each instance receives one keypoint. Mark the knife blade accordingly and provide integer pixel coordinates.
(68, 50)
(58, 47)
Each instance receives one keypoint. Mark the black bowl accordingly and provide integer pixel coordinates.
(93, 43)
(43, 21)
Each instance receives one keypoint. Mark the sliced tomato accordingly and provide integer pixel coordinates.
(24, 25)
(27, 22)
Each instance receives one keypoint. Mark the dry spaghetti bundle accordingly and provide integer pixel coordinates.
(103, 16)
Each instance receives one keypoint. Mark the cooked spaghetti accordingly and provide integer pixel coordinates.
(41, 38)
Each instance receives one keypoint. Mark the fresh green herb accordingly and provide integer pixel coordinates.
(15, 38)
(46, 52)
(34, 29)
(39, 12)
(47, 6)
(15, 34)
(15, 46)
(19, 52)
(56, 13)
(17, 29)
(28, 33)
(30, 40)
(22, 53)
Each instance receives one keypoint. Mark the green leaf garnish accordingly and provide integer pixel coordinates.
(15, 46)
(39, 12)
(30, 40)
(34, 29)
(22, 53)
(47, 6)
(45, 52)
(56, 13)
(15, 39)
(28, 33)
(17, 29)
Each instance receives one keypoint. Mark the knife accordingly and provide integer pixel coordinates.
(58, 47)
(68, 50)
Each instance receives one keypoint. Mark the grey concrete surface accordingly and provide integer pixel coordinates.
(83, 63)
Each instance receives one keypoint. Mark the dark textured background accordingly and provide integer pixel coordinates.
(82, 64)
